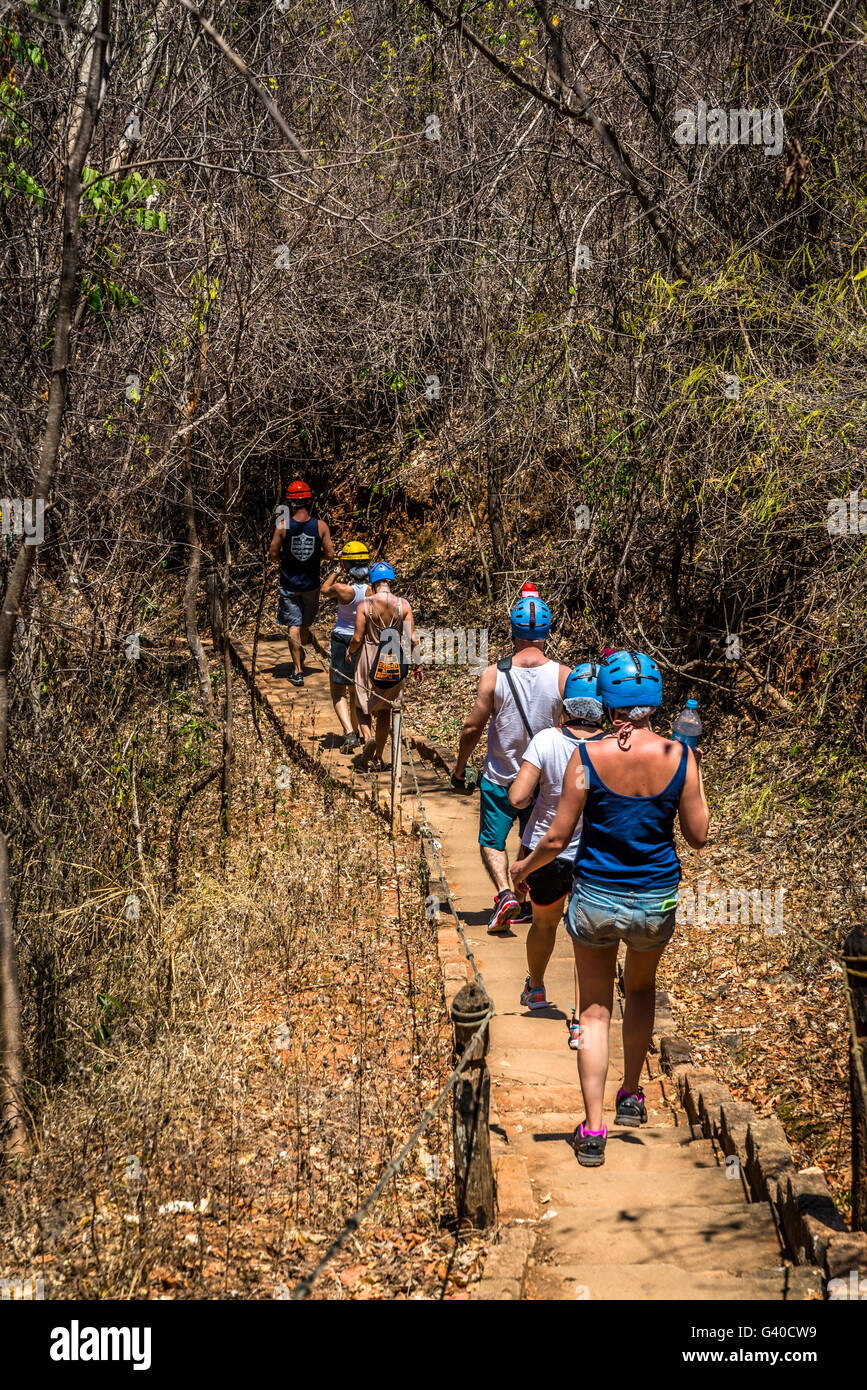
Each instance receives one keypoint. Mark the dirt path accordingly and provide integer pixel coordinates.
(662, 1219)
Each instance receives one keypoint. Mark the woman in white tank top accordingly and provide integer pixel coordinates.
(542, 770)
(341, 665)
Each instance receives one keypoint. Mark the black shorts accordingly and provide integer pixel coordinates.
(342, 664)
(551, 882)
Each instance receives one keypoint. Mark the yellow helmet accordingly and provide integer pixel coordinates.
(355, 553)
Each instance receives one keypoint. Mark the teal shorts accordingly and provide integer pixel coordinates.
(497, 815)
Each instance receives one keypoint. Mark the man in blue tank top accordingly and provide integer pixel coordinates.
(299, 544)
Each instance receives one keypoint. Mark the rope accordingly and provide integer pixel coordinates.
(304, 1287)
(427, 832)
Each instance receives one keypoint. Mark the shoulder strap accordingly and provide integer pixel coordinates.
(506, 667)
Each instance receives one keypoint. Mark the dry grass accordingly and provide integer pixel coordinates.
(212, 1144)
(767, 1012)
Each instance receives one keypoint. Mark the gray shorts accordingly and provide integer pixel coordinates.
(601, 917)
(298, 610)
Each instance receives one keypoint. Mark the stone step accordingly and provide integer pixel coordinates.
(538, 1065)
(621, 1186)
(541, 1030)
(667, 1282)
(522, 1102)
(627, 1150)
(732, 1237)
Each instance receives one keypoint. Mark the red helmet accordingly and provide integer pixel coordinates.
(606, 652)
(298, 492)
(529, 590)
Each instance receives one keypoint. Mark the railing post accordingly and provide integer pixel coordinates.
(855, 961)
(396, 773)
(474, 1175)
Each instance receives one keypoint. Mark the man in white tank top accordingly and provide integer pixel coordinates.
(513, 704)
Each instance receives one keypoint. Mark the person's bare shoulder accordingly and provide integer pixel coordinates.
(488, 678)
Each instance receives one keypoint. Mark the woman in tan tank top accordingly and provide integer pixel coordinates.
(374, 615)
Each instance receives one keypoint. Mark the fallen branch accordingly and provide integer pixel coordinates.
(778, 698)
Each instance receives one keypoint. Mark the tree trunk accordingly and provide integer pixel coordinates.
(493, 479)
(191, 590)
(228, 732)
(13, 1130)
(495, 508)
(493, 469)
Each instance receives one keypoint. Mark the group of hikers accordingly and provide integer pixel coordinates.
(373, 632)
(595, 807)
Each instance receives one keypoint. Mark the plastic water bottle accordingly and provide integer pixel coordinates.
(687, 726)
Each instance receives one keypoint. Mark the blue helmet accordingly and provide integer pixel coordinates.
(581, 682)
(629, 678)
(531, 620)
(381, 571)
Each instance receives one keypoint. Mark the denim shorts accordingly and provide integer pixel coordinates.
(602, 917)
(298, 609)
(497, 815)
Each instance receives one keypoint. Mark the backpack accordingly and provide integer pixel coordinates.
(390, 666)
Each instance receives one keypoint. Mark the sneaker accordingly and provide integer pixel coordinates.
(533, 996)
(525, 915)
(350, 743)
(296, 678)
(589, 1146)
(574, 1028)
(630, 1109)
(506, 909)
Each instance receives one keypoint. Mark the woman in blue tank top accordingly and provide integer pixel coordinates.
(629, 789)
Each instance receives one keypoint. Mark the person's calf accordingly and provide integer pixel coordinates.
(639, 1008)
(383, 726)
(497, 867)
(540, 948)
